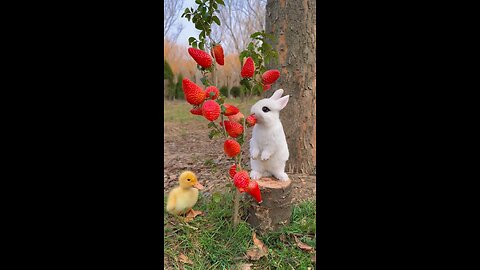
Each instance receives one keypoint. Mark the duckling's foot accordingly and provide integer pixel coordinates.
(190, 212)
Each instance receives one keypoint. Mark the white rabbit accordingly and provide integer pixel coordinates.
(268, 146)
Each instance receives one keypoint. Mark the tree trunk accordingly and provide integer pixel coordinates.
(276, 209)
(293, 23)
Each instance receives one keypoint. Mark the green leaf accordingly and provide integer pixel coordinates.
(198, 1)
(191, 39)
(216, 197)
(251, 46)
(222, 108)
(240, 140)
(211, 124)
(243, 55)
(256, 34)
(186, 11)
(202, 46)
(194, 45)
(213, 133)
(204, 80)
(211, 94)
(216, 19)
(220, 2)
(202, 34)
(198, 26)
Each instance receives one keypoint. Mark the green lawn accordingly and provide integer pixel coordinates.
(216, 245)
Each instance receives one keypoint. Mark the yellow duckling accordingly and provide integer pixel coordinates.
(182, 198)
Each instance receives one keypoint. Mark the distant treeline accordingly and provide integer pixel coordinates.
(173, 86)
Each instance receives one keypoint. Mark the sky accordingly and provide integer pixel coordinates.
(189, 28)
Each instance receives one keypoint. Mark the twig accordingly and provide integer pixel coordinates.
(186, 225)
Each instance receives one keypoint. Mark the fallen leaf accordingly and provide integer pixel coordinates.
(192, 214)
(258, 250)
(301, 245)
(245, 266)
(184, 259)
(257, 242)
(255, 253)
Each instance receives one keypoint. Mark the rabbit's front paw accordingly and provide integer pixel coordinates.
(255, 175)
(265, 155)
(254, 153)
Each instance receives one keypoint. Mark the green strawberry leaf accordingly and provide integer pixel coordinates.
(240, 139)
(216, 19)
(213, 133)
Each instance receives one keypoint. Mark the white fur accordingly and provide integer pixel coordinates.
(268, 146)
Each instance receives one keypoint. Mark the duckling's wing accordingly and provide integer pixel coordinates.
(171, 201)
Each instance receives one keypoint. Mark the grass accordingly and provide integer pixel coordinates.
(179, 110)
(216, 245)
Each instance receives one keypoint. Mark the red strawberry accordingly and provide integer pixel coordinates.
(193, 93)
(241, 180)
(236, 118)
(196, 110)
(266, 87)
(270, 76)
(233, 170)
(231, 148)
(211, 110)
(202, 58)
(217, 52)
(253, 190)
(248, 68)
(212, 89)
(230, 110)
(233, 128)
(251, 120)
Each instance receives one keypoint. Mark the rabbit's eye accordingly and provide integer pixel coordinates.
(265, 109)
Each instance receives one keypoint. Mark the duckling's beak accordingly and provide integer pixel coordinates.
(198, 186)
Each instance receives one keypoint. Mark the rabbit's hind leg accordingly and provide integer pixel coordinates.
(257, 169)
(278, 170)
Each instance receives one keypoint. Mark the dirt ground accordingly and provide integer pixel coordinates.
(187, 147)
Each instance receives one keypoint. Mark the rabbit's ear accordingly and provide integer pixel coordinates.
(282, 102)
(278, 94)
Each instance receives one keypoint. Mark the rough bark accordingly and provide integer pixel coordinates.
(276, 209)
(293, 24)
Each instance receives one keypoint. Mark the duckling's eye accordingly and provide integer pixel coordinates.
(188, 179)
(265, 109)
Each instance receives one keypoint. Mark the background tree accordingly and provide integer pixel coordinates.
(293, 23)
(168, 85)
(240, 18)
(171, 13)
